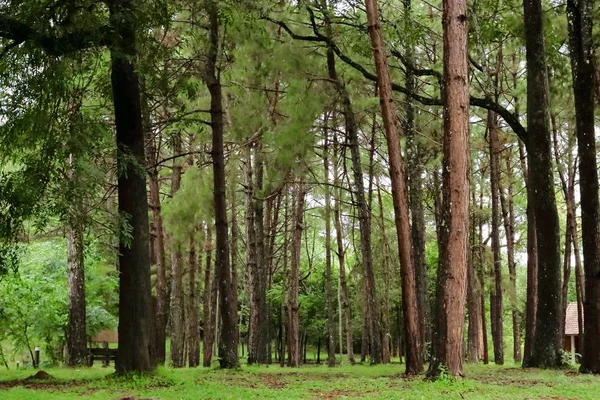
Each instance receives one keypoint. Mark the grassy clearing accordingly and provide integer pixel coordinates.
(318, 382)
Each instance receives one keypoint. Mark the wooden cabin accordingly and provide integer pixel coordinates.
(572, 336)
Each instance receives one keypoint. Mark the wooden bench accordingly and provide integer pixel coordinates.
(102, 353)
(98, 348)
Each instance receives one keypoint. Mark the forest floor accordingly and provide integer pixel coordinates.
(314, 382)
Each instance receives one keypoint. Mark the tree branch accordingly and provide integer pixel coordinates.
(510, 118)
(418, 71)
(53, 42)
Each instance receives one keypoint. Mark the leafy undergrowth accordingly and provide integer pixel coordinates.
(317, 382)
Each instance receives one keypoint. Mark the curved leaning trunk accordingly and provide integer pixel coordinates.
(412, 328)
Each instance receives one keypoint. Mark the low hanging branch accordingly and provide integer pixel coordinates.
(486, 103)
(53, 41)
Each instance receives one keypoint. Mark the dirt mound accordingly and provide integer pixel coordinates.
(40, 376)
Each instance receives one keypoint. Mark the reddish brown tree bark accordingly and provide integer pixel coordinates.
(412, 331)
(452, 270)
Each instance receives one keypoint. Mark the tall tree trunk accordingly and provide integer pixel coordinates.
(547, 337)
(329, 294)
(135, 300)
(76, 335)
(349, 117)
(284, 311)
(532, 261)
(229, 335)
(341, 253)
(161, 310)
(361, 203)
(496, 307)
(251, 262)
(567, 180)
(271, 226)
(77, 351)
(365, 336)
(508, 214)
(414, 357)
(415, 189)
(474, 293)
(387, 280)
(293, 306)
(531, 305)
(482, 274)
(178, 326)
(207, 308)
(452, 270)
(260, 279)
(193, 337)
(579, 281)
(234, 251)
(214, 315)
(580, 18)
(256, 258)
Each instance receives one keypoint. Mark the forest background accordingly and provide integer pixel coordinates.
(261, 186)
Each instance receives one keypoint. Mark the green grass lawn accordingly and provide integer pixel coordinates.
(315, 382)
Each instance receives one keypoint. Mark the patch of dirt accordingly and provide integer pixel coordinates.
(401, 376)
(520, 383)
(519, 369)
(39, 385)
(396, 384)
(40, 376)
(235, 380)
(273, 382)
(556, 398)
(133, 398)
(41, 381)
(313, 376)
(336, 394)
